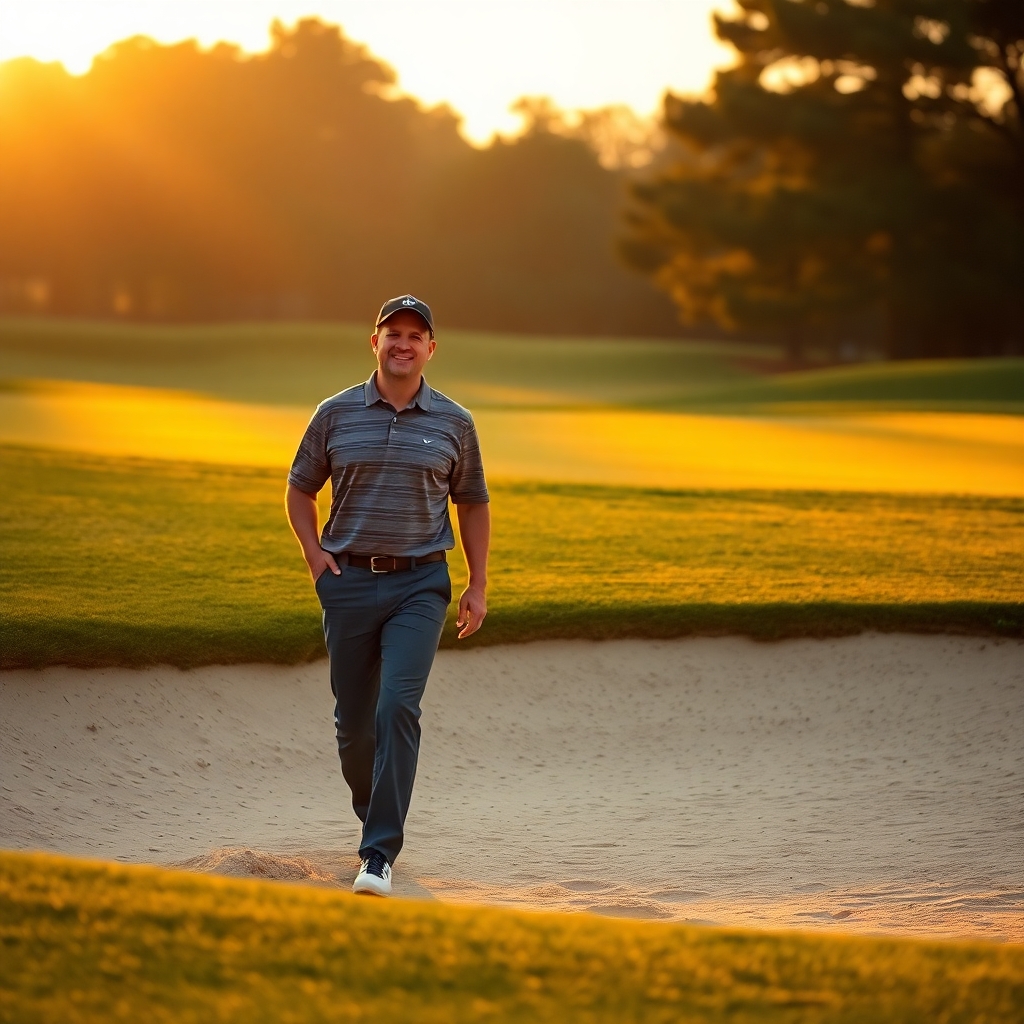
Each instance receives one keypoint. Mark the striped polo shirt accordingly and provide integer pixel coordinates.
(391, 471)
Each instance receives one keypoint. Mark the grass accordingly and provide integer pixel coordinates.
(85, 941)
(910, 452)
(112, 557)
(135, 562)
(299, 364)
(967, 384)
(938, 452)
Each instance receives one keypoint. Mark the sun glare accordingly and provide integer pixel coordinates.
(478, 56)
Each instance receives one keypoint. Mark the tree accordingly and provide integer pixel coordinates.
(862, 164)
(176, 183)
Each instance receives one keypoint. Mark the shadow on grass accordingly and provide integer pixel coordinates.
(36, 643)
(770, 621)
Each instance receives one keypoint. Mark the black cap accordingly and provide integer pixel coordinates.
(409, 302)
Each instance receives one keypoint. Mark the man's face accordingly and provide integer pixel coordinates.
(403, 345)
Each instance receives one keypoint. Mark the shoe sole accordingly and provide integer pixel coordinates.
(370, 890)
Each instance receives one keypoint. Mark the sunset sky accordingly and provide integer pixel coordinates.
(476, 55)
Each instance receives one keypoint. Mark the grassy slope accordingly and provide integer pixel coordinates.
(996, 384)
(906, 452)
(91, 942)
(302, 363)
(117, 561)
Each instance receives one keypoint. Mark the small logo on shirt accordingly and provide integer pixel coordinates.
(427, 441)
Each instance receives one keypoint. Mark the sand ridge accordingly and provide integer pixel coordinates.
(870, 783)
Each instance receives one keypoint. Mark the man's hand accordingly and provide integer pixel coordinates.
(302, 515)
(472, 611)
(475, 532)
(319, 561)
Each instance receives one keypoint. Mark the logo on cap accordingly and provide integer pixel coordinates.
(406, 302)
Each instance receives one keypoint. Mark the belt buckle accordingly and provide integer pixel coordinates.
(375, 558)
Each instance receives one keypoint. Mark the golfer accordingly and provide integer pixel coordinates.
(395, 450)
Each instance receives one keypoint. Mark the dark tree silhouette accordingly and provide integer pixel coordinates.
(859, 174)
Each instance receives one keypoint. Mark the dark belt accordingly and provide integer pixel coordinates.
(389, 563)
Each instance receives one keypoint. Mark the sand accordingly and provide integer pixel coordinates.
(866, 784)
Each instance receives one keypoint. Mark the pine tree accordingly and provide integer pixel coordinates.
(863, 164)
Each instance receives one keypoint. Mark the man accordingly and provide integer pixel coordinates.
(394, 450)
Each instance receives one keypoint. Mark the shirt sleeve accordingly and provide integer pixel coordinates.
(310, 467)
(467, 485)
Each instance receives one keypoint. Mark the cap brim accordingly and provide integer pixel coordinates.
(406, 309)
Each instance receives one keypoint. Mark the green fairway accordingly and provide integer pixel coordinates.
(117, 560)
(86, 941)
(133, 562)
(894, 451)
(300, 364)
(951, 384)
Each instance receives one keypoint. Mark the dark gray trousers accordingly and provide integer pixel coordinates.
(382, 631)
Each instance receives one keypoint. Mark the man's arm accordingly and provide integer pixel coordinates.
(302, 515)
(475, 534)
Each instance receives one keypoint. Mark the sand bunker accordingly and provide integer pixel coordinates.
(255, 864)
(869, 784)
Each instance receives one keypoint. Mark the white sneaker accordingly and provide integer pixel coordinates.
(374, 878)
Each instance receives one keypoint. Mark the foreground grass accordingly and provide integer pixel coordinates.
(132, 562)
(86, 941)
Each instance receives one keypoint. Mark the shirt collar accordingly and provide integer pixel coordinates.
(371, 395)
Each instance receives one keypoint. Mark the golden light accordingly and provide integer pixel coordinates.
(476, 55)
(923, 452)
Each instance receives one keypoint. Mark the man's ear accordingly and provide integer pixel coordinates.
(430, 351)
(373, 342)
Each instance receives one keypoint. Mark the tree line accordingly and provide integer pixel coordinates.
(857, 177)
(856, 180)
(173, 183)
